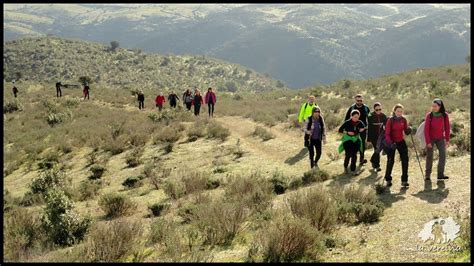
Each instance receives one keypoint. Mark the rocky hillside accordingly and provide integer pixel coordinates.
(48, 59)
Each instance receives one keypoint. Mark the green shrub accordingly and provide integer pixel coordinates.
(465, 80)
(113, 241)
(133, 158)
(49, 161)
(196, 131)
(253, 190)
(356, 204)
(161, 229)
(174, 188)
(30, 199)
(89, 189)
(217, 131)
(22, 233)
(212, 183)
(291, 240)
(168, 134)
(10, 107)
(48, 179)
(62, 224)
(315, 175)
(263, 133)
(316, 205)
(115, 205)
(132, 182)
(97, 171)
(280, 183)
(158, 208)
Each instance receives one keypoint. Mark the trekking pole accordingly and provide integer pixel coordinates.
(414, 147)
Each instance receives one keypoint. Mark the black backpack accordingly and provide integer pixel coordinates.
(382, 144)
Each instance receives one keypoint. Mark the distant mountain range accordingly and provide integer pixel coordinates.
(300, 44)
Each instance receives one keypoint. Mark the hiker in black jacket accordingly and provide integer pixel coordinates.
(141, 100)
(314, 128)
(15, 90)
(364, 113)
(173, 99)
(377, 121)
(58, 89)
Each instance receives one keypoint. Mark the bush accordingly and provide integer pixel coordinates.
(10, 107)
(132, 182)
(316, 205)
(133, 158)
(168, 134)
(113, 241)
(49, 161)
(89, 189)
(55, 118)
(194, 182)
(253, 191)
(97, 171)
(62, 224)
(115, 205)
(22, 233)
(212, 183)
(156, 179)
(72, 102)
(174, 188)
(463, 141)
(116, 129)
(158, 208)
(315, 175)
(217, 131)
(280, 183)
(196, 131)
(356, 204)
(291, 240)
(263, 133)
(48, 179)
(161, 229)
(219, 222)
(465, 80)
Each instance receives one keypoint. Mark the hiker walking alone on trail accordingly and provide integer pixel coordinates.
(188, 99)
(305, 112)
(314, 128)
(364, 113)
(351, 140)
(58, 89)
(210, 100)
(141, 100)
(15, 90)
(173, 99)
(395, 128)
(377, 121)
(160, 100)
(437, 132)
(86, 91)
(197, 102)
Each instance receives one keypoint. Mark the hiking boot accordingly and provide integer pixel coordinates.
(427, 178)
(389, 183)
(443, 177)
(405, 184)
(378, 169)
(346, 171)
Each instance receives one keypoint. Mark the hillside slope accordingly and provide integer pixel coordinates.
(49, 59)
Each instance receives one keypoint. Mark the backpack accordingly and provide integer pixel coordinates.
(420, 132)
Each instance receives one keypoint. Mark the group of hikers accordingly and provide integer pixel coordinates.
(386, 134)
(189, 99)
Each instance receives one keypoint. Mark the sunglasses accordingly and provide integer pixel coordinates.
(359, 101)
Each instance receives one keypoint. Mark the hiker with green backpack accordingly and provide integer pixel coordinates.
(437, 131)
(306, 111)
(351, 140)
(364, 113)
(395, 128)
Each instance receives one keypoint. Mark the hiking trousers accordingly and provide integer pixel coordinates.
(351, 148)
(314, 144)
(197, 109)
(58, 92)
(141, 105)
(375, 159)
(403, 151)
(188, 106)
(211, 109)
(363, 136)
(441, 145)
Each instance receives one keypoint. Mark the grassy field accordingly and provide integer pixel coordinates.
(131, 185)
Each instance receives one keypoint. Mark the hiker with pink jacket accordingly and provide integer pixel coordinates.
(210, 100)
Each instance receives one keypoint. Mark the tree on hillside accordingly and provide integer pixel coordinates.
(347, 84)
(230, 86)
(85, 80)
(114, 45)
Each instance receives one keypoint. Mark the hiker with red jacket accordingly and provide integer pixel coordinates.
(377, 121)
(160, 100)
(197, 102)
(437, 132)
(210, 100)
(396, 127)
